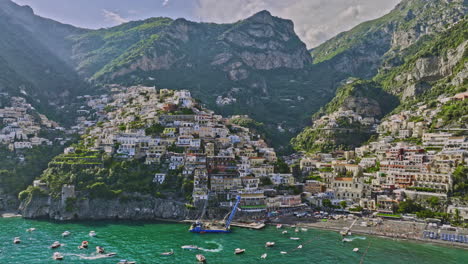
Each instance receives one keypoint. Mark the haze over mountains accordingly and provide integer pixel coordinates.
(257, 66)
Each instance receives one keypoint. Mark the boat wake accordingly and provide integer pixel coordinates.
(88, 257)
(219, 249)
(353, 238)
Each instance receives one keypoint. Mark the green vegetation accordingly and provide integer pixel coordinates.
(460, 182)
(389, 215)
(421, 189)
(15, 174)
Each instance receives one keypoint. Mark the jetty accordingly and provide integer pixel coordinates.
(348, 229)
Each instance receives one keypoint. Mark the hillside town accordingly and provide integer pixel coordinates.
(170, 129)
(410, 160)
(22, 127)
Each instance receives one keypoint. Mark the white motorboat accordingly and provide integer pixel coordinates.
(92, 233)
(200, 258)
(238, 251)
(269, 244)
(279, 226)
(284, 232)
(57, 256)
(66, 233)
(299, 247)
(294, 238)
(189, 247)
(264, 256)
(56, 244)
(355, 249)
(283, 252)
(296, 230)
(16, 240)
(304, 229)
(170, 253)
(31, 229)
(124, 261)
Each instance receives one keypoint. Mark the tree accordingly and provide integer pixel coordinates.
(343, 204)
(282, 167)
(327, 203)
(434, 203)
(456, 217)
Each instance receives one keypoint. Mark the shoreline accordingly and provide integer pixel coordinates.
(330, 225)
(371, 232)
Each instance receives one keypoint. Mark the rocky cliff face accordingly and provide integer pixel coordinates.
(427, 70)
(261, 42)
(362, 50)
(145, 208)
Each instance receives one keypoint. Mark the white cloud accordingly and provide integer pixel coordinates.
(113, 17)
(165, 3)
(315, 20)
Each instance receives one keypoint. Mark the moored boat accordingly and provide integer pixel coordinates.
(304, 229)
(31, 229)
(355, 249)
(16, 240)
(264, 256)
(284, 232)
(294, 238)
(168, 253)
(92, 233)
(57, 256)
(283, 252)
(66, 233)
(279, 226)
(56, 244)
(99, 250)
(296, 230)
(124, 261)
(84, 244)
(200, 258)
(238, 251)
(269, 244)
(299, 247)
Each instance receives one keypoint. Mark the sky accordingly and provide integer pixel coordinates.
(315, 20)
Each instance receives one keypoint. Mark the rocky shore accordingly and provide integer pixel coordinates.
(82, 208)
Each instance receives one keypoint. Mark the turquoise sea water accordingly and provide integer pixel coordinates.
(144, 241)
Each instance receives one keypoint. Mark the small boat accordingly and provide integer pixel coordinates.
(279, 226)
(269, 244)
(355, 249)
(66, 233)
(57, 256)
(111, 254)
(299, 247)
(200, 258)
(124, 261)
(99, 250)
(294, 238)
(304, 229)
(296, 230)
(31, 229)
(238, 251)
(92, 234)
(283, 252)
(264, 256)
(84, 244)
(284, 232)
(56, 244)
(17, 240)
(168, 253)
(189, 247)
